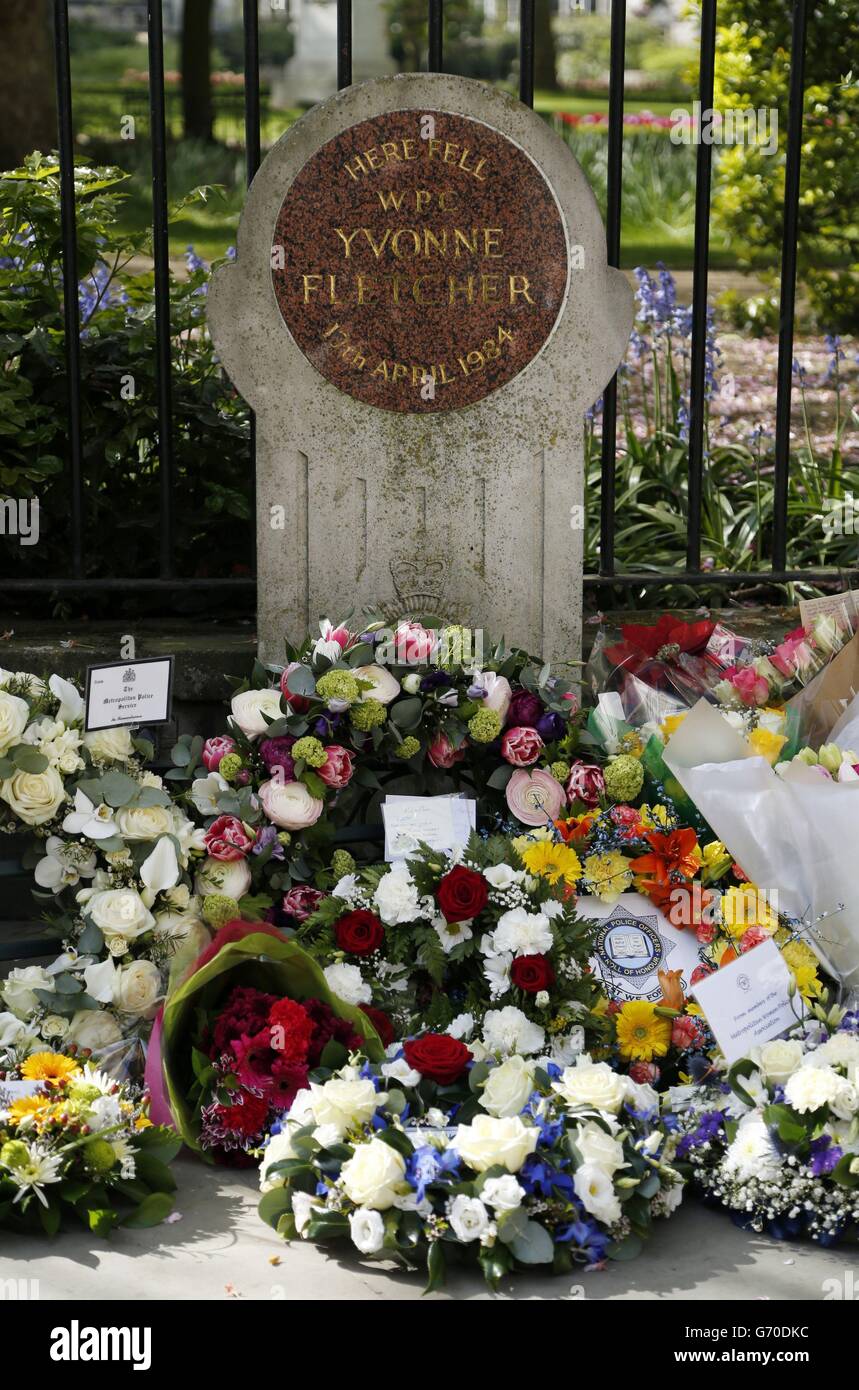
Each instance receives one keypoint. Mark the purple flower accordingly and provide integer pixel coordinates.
(525, 709)
(824, 1155)
(550, 726)
(265, 837)
(276, 752)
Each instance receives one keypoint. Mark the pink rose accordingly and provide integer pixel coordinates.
(216, 748)
(442, 753)
(751, 688)
(586, 783)
(521, 746)
(301, 901)
(534, 797)
(299, 703)
(414, 643)
(337, 770)
(227, 839)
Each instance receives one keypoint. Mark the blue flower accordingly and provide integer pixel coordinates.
(824, 1155)
(428, 1165)
(585, 1239)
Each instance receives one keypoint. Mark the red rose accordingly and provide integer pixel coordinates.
(227, 839)
(359, 932)
(437, 1056)
(336, 771)
(462, 894)
(380, 1021)
(532, 973)
(521, 746)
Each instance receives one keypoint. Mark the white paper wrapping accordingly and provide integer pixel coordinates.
(796, 833)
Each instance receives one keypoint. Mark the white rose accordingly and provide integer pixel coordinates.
(138, 989)
(54, 1026)
(343, 1104)
(232, 878)
(509, 1031)
(367, 1229)
(396, 897)
(779, 1059)
(144, 822)
(14, 713)
(110, 745)
(595, 1191)
(488, 1142)
(13, 1031)
(385, 686)
(599, 1148)
(249, 707)
(35, 797)
(278, 1148)
(347, 982)
(468, 1218)
(504, 1194)
(372, 1176)
(502, 876)
(94, 1029)
(592, 1084)
(290, 805)
(508, 1087)
(120, 912)
(17, 989)
(523, 933)
(641, 1097)
(412, 683)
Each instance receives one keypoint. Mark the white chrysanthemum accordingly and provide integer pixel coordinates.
(347, 982)
(496, 970)
(510, 1031)
(396, 897)
(751, 1154)
(523, 933)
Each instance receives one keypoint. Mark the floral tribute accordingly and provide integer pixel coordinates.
(441, 940)
(775, 1140)
(240, 1034)
(353, 714)
(506, 1161)
(75, 1144)
(113, 858)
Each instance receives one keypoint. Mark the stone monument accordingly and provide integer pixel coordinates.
(420, 312)
(311, 73)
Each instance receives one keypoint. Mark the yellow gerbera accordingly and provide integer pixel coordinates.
(540, 832)
(807, 981)
(49, 1066)
(551, 860)
(607, 875)
(767, 744)
(670, 724)
(30, 1107)
(641, 1033)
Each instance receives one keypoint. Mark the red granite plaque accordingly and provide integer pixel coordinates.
(419, 260)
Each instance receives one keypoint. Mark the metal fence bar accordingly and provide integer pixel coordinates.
(526, 52)
(617, 56)
(160, 250)
(787, 301)
(71, 308)
(250, 17)
(701, 257)
(435, 36)
(344, 44)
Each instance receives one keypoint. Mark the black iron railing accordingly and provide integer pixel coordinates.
(609, 575)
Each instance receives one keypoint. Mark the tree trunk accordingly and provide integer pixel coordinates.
(196, 60)
(545, 51)
(28, 111)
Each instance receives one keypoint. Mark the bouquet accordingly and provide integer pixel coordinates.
(240, 1034)
(74, 1142)
(448, 939)
(776, 1142)
(117, 881)
(355, 715)
(505, 1162)
(43, 749)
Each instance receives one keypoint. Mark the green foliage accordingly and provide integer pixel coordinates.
(118, 389)
(753, 71)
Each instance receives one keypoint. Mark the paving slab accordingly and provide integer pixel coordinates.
(221, 1250)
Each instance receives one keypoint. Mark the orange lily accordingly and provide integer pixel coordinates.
(674, 853)
(671, 984)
